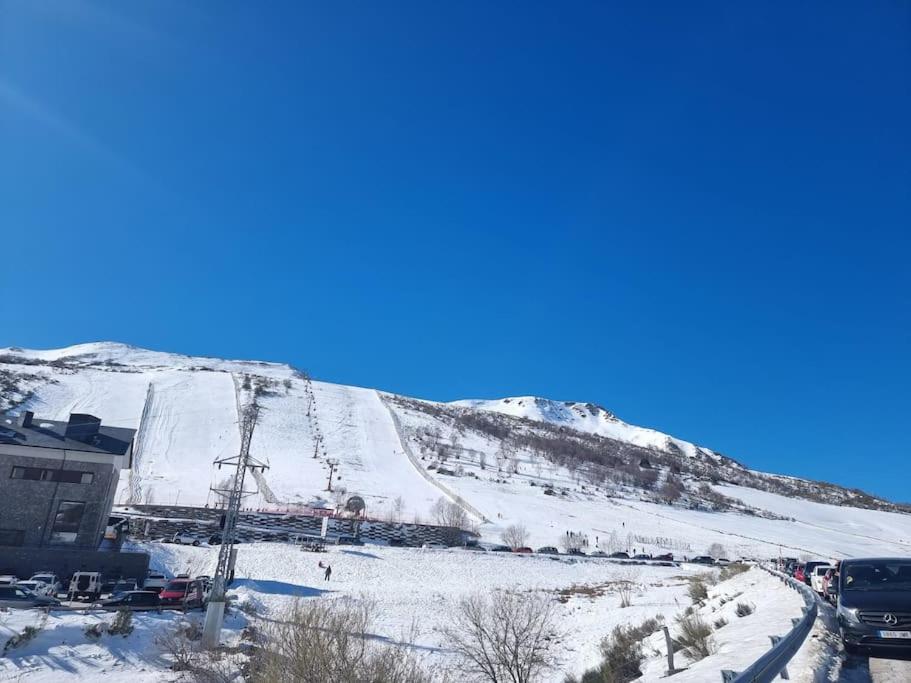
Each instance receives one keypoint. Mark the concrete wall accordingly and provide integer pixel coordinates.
(31, 506)
(24, 562)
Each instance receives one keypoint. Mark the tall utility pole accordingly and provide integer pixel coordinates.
(215, 611)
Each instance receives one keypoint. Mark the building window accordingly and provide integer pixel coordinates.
(44, 474)
(12, 537)
(67, 521)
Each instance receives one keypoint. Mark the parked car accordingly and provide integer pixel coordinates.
(14, 596)
(8, 580)
(500, 549)
(829, 581)
(642, 556)
(185, 538)
(524, 550)
(107, 586)
(666, 557)
(874, 603)
(155, 582)
(576, 551)
(819, 574)
(350, 540)
(35, 587)
(810, 567)
(85, 585)
(619, 555)
(598, 553)
(146, 599)
(703, 559)
(125, 586)
(174, 592)
(722, 561)
(547, 550)
(50, 580)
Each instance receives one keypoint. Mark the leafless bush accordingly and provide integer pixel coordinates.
(733, 570)
(515, 536)
(625, 587)
(506, 636)
(622, 654)
(716, 550)
(697, 590)
(720, 622)
(177, 647)
(327, 642)
(695, 637)
(122, 624)
(447, 513)
(744, 609)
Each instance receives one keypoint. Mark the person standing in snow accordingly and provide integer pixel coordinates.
(328, 571)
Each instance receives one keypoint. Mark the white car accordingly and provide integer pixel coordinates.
(185, 538)
(51, 582)
(816, 577)
(36, 587)
(8, 580)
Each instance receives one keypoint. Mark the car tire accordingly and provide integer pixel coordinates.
(195, 544)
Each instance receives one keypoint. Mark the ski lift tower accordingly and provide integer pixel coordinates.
(215, 610)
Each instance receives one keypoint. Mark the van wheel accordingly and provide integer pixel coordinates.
(195, 543)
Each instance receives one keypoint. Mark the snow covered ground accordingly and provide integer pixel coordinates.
(414, 592)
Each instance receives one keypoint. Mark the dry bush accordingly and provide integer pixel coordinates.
(178, 648)
(720, 622)
(328, 642)
(744, 609)
(515, 536)
(733, 570)
(122, 624)
(697, 590)
(622, 654)
(507, 636)
(695, 637)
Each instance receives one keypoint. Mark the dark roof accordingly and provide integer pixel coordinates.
(52, 434)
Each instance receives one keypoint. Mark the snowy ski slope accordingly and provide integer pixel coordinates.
(190, 420)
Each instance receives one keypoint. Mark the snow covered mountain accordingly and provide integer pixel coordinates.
(551, 466)
(582, 417)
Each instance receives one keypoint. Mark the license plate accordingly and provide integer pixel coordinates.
(895, 634)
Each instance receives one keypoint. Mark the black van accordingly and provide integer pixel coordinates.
(874, 603)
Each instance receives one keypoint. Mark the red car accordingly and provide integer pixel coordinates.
(799, 574)
(523, 550)
(174, 592)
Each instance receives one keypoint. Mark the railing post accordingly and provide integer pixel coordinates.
(784, 670)
(670, 651)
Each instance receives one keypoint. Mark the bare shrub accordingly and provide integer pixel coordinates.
(515, 536)
(506, 636)
(697, 590)
(178, 648)
(720, 622)
(716, 550)
(695, 637)
(122, 624)
(625, 588)
(96, 630)
(19, 639)
(622, 654)
(447, 513)
(744, 609)
(327, 642)
(733, 570)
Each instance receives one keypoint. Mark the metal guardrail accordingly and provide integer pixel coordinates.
(774, 662)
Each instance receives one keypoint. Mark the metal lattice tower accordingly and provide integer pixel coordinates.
(242, 462)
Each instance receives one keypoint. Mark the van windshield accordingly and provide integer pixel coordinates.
(886, 575)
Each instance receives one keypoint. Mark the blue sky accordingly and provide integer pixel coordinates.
(693, 214)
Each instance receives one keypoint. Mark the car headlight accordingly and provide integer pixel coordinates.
(849, 614)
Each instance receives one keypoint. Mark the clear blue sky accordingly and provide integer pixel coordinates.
(694, 214)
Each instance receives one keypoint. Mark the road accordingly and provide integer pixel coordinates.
(841, 667)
